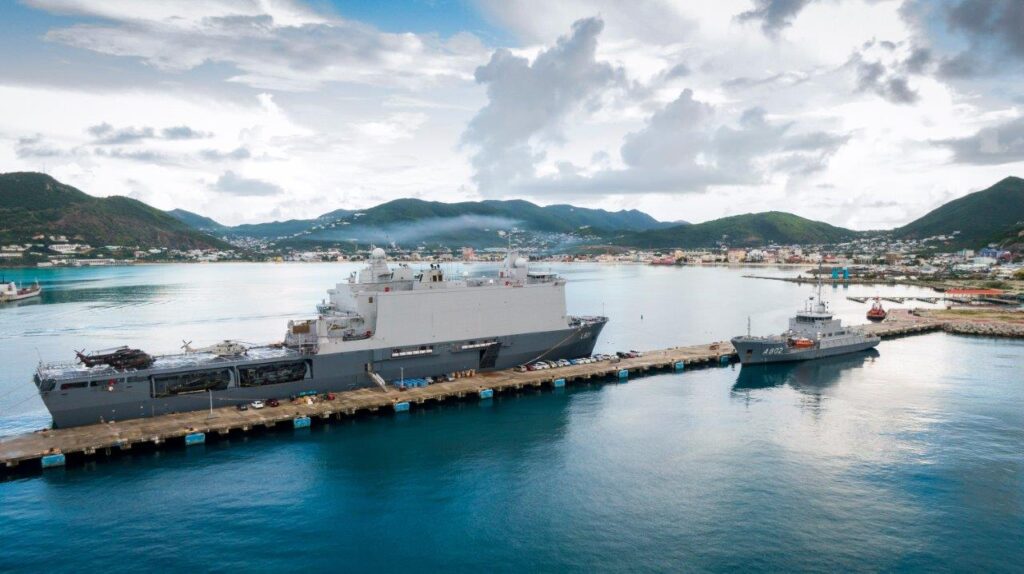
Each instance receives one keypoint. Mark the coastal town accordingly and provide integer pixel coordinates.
(874, 259)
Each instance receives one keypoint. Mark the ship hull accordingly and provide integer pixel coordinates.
(753, 351)
(332, 372)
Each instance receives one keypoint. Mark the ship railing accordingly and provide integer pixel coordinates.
(580, 320)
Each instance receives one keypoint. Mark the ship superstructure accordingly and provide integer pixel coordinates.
(383, 323)
(813, 333)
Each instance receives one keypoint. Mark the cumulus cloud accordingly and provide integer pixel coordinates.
(106, 134)
(880, 68)
(774, 15)
(139, 155)
(35, 147)
(993, 31)
(528, 99)
(997, 23)
(1003, 143)
(272, 45)
(686, 147)
(182, 133)
(233, 184)
(237, 154)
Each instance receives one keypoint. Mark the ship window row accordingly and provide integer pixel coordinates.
(220, 379)
(478, 344)
(423, 350)
(273, 373)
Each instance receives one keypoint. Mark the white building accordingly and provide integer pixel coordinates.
(67, 248)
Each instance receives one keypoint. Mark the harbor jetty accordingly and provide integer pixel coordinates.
(57, 447)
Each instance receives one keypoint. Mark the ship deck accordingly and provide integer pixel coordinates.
(48, 448)
(69, 370)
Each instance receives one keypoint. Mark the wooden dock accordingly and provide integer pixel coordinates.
(54, 447)
(46, 448)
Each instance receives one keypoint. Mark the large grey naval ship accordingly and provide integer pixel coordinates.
(382, 324)
(813, 334)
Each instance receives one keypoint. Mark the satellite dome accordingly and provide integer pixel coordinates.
(377, 253)
(520, 262)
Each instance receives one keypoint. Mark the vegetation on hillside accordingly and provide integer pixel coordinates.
(35, 203)
(993, 215)
(747, 230)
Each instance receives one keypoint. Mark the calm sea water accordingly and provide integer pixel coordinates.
(908, 459)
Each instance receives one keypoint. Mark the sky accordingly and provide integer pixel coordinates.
(861, 113)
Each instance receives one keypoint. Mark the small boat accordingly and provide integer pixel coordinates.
(802, 343)
(876, 312)
(9, 291)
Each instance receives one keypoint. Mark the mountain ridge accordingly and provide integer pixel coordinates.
(394, 217)
(745, 230)
(34, 203)
(991, 215)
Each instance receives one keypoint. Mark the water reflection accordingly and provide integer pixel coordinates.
(21, 303)
(810, 377)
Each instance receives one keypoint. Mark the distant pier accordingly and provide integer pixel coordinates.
(54, 448)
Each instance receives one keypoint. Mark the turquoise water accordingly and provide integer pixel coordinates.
(908, 459)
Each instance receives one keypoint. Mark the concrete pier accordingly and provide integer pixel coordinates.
(38, 449)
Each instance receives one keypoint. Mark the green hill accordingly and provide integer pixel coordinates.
(747, 230)
(992, 215)
(414, 220)
(196, 221)
(33, 203)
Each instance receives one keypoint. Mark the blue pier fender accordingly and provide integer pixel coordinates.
(301, 422)
(486, 393)
(679, 366)
(725, 359)
(53, 460)
(558, 383)
(402, 407)
(195, 438)
(623, 374)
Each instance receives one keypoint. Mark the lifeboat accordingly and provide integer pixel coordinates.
(877, 313)
(802, 343)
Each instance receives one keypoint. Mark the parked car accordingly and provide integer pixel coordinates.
(257, 404)
(242, 407)
(273, 403)
(330, 396)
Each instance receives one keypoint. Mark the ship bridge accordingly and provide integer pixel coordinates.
(394, 303)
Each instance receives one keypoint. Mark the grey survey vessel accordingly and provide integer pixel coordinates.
(813, 333)
(382, 324)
